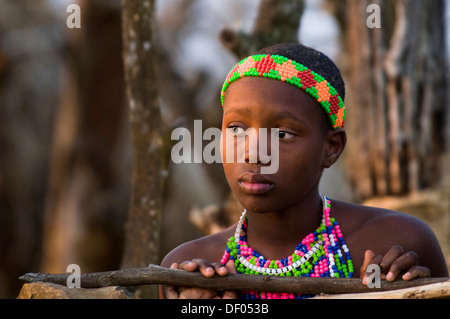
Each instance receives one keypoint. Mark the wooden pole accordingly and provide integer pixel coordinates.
(156, 275)
(431, 291)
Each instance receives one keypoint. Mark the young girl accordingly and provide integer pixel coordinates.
(288, 227)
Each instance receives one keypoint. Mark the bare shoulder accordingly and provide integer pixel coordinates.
(210, 248)
(374, 220)
(381, 229)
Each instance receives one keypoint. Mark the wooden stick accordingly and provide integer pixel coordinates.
(431, 291)
(156, 275)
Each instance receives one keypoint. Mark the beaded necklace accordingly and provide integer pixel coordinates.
(322, 253)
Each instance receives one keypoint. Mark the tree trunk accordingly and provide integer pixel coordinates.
(87, 197)
(29, 65)
(149, 169)
(278, 22)
(397, 99)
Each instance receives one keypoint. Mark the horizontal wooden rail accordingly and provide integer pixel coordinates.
(156, 275)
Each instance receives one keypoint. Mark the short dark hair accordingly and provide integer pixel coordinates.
(312, 59)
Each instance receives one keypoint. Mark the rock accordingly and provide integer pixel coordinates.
(45, 290)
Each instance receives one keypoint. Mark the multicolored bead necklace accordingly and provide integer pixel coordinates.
(322, 253)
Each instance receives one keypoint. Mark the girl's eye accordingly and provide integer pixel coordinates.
(236, 130)
(283, 135)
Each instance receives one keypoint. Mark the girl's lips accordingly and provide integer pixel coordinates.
(255, 184)
(255, 188)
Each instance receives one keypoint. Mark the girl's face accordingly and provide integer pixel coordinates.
(304, 143)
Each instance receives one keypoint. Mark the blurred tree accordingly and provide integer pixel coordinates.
(30, 43)
(87, 196)
(148, 130)
(398, 98)
(278, 22)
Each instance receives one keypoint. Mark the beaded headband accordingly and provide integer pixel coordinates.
(281, 68)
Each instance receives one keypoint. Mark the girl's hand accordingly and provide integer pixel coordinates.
(208, 270)
(395, 263)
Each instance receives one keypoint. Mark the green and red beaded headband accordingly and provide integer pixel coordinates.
(281, 68)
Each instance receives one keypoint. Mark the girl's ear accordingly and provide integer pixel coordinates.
(335, 144)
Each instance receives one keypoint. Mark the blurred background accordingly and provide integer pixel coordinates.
(66, 157)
